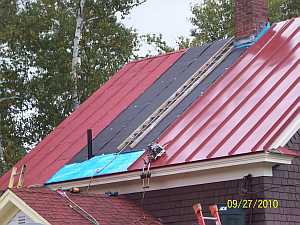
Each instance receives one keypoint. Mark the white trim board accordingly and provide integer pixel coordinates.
(231, 168)
(287, 133)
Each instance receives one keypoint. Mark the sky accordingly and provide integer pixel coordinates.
(168, 17)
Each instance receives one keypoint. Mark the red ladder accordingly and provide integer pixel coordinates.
(213, 210)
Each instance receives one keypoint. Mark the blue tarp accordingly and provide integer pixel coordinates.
(249, 42)
(98, 165)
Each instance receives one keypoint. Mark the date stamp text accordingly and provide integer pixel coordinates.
(255, 203)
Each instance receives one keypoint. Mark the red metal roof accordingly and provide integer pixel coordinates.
(106, 210)
(246, 109)
(96, 113)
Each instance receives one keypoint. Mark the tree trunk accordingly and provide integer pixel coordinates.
(76, 60)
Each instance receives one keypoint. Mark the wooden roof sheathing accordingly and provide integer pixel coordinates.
(61, 145)
(247, 108)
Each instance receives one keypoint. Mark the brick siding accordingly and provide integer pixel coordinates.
(249, 16)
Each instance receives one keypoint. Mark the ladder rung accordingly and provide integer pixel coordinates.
(210, 218)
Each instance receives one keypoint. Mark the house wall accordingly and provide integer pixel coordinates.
(174, 206)
(285, 187)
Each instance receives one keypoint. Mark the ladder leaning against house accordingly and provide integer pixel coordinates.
(213, 210)
(14, 173)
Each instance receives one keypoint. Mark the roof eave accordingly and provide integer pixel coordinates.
(200, 172)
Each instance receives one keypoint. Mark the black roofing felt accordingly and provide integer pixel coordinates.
(127, 121)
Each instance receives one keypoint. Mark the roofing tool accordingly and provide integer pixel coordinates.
(153, 152)
(145, 175)
(213, 210)
(185, 89)
(14, 174)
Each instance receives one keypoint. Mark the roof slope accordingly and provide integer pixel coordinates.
(126, 122)
(60, 146)
(246, 108)
(106, 210)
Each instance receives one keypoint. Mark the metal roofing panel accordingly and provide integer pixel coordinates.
(60, 146)
(244, 110)
(127, 121)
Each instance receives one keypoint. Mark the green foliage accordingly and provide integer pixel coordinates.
(36, 42)
(184, 42)
(213, 19)
(157, 42)
(284, 9)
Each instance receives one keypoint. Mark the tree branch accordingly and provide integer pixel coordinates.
(7, 98)
(92, 19)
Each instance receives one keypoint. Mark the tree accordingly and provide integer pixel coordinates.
(213, 19)
(283, 9)
(76, 60)
(40, 65)
(156, 42)
(12, 93)
(11, 148)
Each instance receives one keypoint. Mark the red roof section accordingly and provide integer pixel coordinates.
(61, 145)
(106, 210)
(247, 108)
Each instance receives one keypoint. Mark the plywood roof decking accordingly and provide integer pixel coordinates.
(61, 145)
(244, 110)
(122, 126)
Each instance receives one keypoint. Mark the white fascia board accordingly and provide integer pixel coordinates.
(231, 168)
(287, 133)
